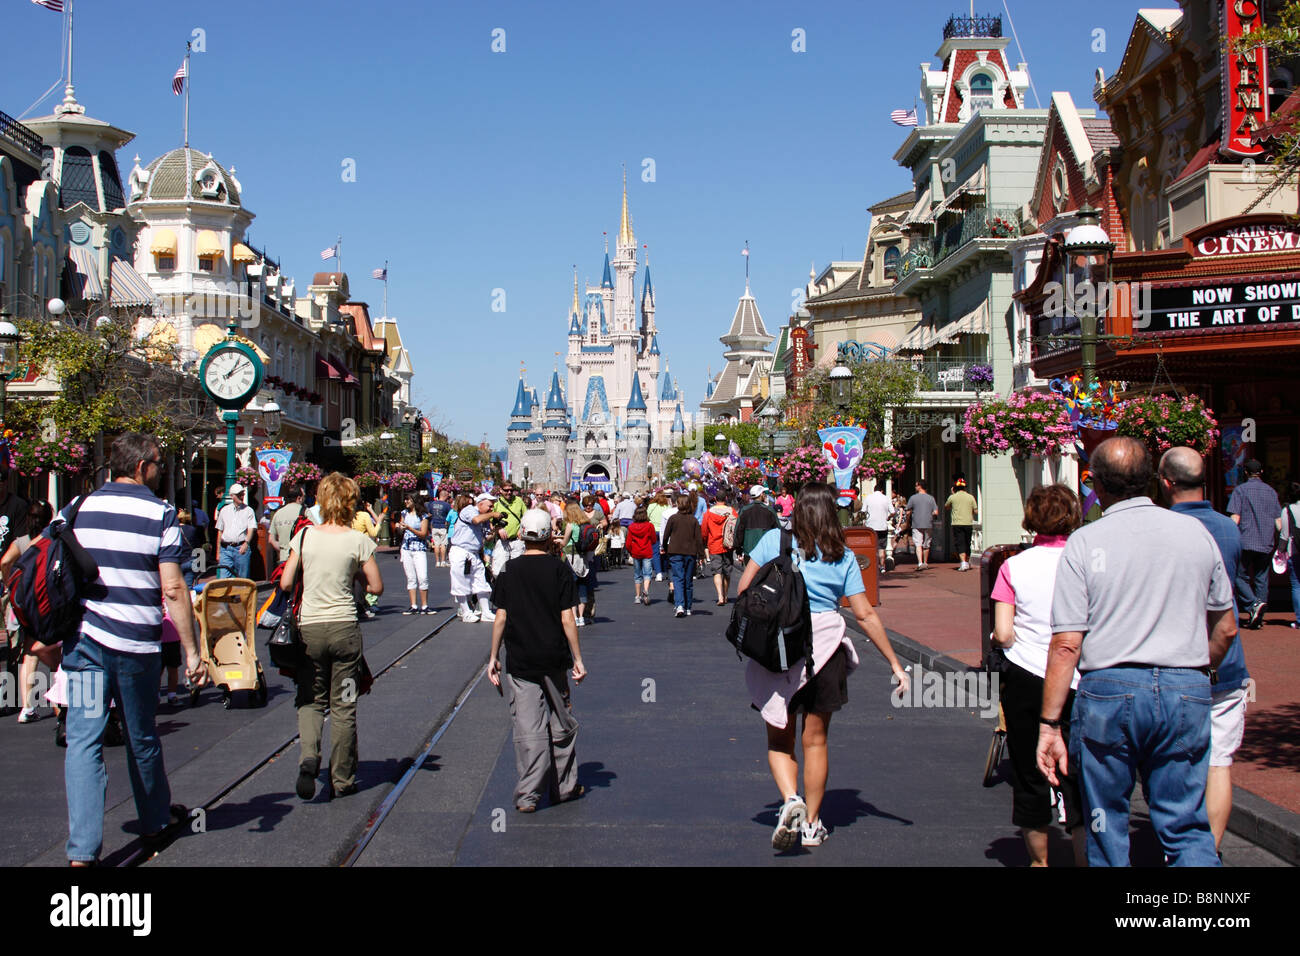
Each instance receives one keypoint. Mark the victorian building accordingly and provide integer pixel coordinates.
(609, 421)
(737, 391)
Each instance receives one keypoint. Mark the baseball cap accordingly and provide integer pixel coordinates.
(236, 489)
(484, 497)
(536, 525)
(1253, 466)
(757, 490)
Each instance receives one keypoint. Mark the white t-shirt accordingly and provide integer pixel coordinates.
(1030, 579)
(877, 508)
(235, 522)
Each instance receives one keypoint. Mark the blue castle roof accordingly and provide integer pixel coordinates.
(666, 391)
(607, 282)
(536, 401)
(654, 344)
(678, 424)
(555, 397)
(637, 402)
(522, 405)
(596, 400)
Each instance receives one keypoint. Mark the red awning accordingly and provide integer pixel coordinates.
(325, 369)
(343, 373)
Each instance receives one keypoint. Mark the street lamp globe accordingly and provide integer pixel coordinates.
(56, 307)
(387, 436)
(841, 386)
(271, 418)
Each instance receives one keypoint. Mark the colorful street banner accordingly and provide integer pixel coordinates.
(842, 446)
(623, 464)
(435, 480)
(272, 463)
(487, 485)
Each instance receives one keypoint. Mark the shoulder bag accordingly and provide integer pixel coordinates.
(285, 646)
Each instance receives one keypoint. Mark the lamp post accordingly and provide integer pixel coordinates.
(386, 440)
(721, 440)
(9, 342)
(768, 426)
(1088, 250)
(271, 419)
(841, 387)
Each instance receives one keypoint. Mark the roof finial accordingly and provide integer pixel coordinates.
(625, 237)
(575, 289)
(745, 253)
(522, 370)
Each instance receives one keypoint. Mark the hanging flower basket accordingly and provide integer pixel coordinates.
(802, 465)
(745, 477)
(301, 472)
(981, 376)
(1165, 421)
(401, 481)
(248, 477)
(1029, 424)
(881, 463)
(42, 457)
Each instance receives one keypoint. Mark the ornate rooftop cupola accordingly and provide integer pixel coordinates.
(974, 72)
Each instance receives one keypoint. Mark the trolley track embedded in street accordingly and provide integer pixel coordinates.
(135, 853)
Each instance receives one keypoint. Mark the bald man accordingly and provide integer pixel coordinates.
(1182, 480)
(1143, 606)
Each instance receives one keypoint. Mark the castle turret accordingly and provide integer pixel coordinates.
(637, 431)
(555, 435)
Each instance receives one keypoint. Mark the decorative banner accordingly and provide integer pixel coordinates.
(568, 466)
(842, 446)
(487, 485)
(623, 464)
(1243, 79)
(272, 463)
(435, 481)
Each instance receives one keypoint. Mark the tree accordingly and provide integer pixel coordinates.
(878, 386)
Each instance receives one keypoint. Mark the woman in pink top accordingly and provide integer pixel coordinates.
(785, 503)
(1023, 629)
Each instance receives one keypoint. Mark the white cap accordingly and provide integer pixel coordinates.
(485, 497)
(535, 525)
(757, 490)
(236, 489)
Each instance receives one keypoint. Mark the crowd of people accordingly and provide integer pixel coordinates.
(1118, 663)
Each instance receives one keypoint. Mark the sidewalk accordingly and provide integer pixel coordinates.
(939, 609)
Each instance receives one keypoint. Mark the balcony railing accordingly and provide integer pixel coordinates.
(16, 132)
(955, 229)
(981, 26)
(950, 375)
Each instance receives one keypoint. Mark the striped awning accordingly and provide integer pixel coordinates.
(972, 187)
(242, 254)
(208, 245)
(83, 274)
(163, 243)
(915, 340)
(975, 322)
(128, 288)
(920, 213)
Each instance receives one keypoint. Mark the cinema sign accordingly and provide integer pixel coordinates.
(1244, 79)
(1252, 239)
(1222, 305)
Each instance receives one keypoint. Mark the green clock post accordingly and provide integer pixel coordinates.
(231, 374)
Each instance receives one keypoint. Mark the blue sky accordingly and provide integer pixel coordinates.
(478, 170)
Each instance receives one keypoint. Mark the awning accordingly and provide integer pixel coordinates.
(971, 187)
(83, 274)
(163, 243)
(975, 322)
(348, 377)
(920, 213)
(324, 369)
(914, 340)
(208, 245)
(242, 254)
(128, 288)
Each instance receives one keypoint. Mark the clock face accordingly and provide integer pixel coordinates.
(230, 375)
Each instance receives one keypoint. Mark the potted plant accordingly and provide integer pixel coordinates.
(980, 376)
(1029, 424)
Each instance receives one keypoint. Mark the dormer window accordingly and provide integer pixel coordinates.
(209, 181)
(981, 92)
(892, 255)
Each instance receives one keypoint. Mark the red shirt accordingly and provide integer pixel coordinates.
(641, 538)
(712, 526)
(604, 506)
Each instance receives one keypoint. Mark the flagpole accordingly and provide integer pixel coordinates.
(69, 44)
(338, 255)
(187, 95)
(385, 288)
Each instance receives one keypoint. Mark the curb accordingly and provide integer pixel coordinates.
(1262, 822)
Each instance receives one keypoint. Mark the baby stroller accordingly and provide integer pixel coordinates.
(226, 611)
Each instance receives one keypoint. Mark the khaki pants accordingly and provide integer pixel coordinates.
(328, 680)
(546, 735)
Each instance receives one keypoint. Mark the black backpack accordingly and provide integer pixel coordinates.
(770, 621)
(48, 583)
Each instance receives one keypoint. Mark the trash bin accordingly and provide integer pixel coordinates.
(862, 542)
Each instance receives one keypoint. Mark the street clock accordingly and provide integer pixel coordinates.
(231, 374)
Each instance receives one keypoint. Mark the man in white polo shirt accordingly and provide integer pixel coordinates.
(876, 506)
(1143, 604)
(236, 528)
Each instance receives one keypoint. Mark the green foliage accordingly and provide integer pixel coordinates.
(1282, 38)
(878, 386)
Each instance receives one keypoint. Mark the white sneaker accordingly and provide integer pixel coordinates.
(580, 622)
(488, 618)
(470, 618)
(659, 577)
(813, 834)
(680, 612)
(789, 823)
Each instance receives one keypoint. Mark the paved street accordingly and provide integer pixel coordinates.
(671, 755)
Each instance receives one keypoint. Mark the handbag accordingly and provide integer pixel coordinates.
(285, 647)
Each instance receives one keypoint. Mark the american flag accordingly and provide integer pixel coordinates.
(904, 117)
(381, 274)
(178, 80)
(55, 5)
(329, 253)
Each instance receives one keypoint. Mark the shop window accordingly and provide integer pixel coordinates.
(207, 264)
(166, 263)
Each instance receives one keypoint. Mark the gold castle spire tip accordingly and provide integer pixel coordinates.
(625, 236)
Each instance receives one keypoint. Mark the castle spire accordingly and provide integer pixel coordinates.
(625, 236)
(576, 308)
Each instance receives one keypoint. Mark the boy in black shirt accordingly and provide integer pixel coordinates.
(534, 596)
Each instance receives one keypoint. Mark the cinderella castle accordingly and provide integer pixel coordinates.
(610, 421)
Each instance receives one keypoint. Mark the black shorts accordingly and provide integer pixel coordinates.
(1022, 700)
(171, 654)
(718, 564)
(828, 690)
(961, 538)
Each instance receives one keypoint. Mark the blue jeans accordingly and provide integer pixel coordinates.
(1152, 720)
(1252, 579)
(97, 674)
(232, 563)
(683, 566)
(655, 562)
(1295, 590)
(642, 569)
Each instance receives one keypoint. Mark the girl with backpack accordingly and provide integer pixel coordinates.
(580, 555)
(830, 572)
(719, 561)
(39, 516)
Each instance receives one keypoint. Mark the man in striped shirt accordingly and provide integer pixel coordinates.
(135, 539)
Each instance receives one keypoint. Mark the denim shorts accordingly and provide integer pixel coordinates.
(643, 568)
